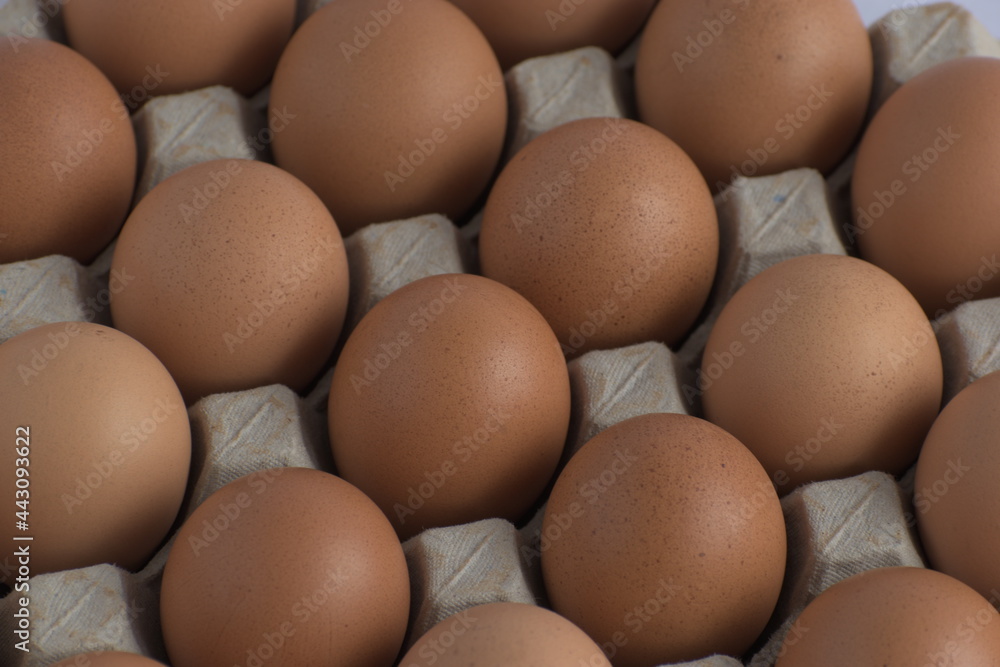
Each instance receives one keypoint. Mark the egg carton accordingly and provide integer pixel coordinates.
(835, 528)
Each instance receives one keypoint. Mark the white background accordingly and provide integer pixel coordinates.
(987, 11)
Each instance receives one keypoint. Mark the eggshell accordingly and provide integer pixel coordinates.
(108, 659)
(955, 491)
(755, 88)
(895, 616)
(664, 540)
(450, 403)
(505, 634)
(923, 192)
(384, 120)
(286, 567)
(522, 29)
(237, 278)
(105, 451)
(825, 367)
(68, 158)
(608, 228)
(161, 48)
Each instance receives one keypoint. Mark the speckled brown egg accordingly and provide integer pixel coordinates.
(608, 228)
(525, 29)
(825, 367)
(925, 203)
(99, 449)
(161, 48)
(289, 567)
(395, 109)
(108, 659)
(450, 403)
(895, 616)
(755, 88)
(68, 156)
(956, 500)
(505, 634)
(664, 540)
(237, 278)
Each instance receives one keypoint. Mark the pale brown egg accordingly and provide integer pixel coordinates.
(664, 541)
(505, 634)
(287, 567)
(450, 403)
(895, 616)
(925, 203)
(68, 158)
(237, 278)
(161, 48)
(956, 499)
(825, 367)
(108, 659)
(608, 228)
(755, 88)
(100, 447)
(522, 29)
(384, 120)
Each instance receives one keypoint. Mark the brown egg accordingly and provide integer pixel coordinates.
(664, 541)
(756, 88)
(394, 109)
(825, 367)
(100, 446)
(923, 193)
(505, 634)
(288, 567)
(955, 491)
(108, 659)
(608, 228)
(522, 29)
(895, 616)
(237, 278)
(450, 403)
(68, 164)
(161, 48)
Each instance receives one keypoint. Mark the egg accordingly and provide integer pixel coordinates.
(664, 541)
(895, 616)
(285, 567)
(825, 367)
(100, 447)
(756, 88)
(955, 493)
(108, 659)
(68, 162)
(505, 634)
(609, 229)
(236, 278)
(450, 403)
(923, 194)
(385, 121)
(525, 29)
(161, 48)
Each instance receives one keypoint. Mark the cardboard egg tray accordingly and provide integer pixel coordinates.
(835, 529)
